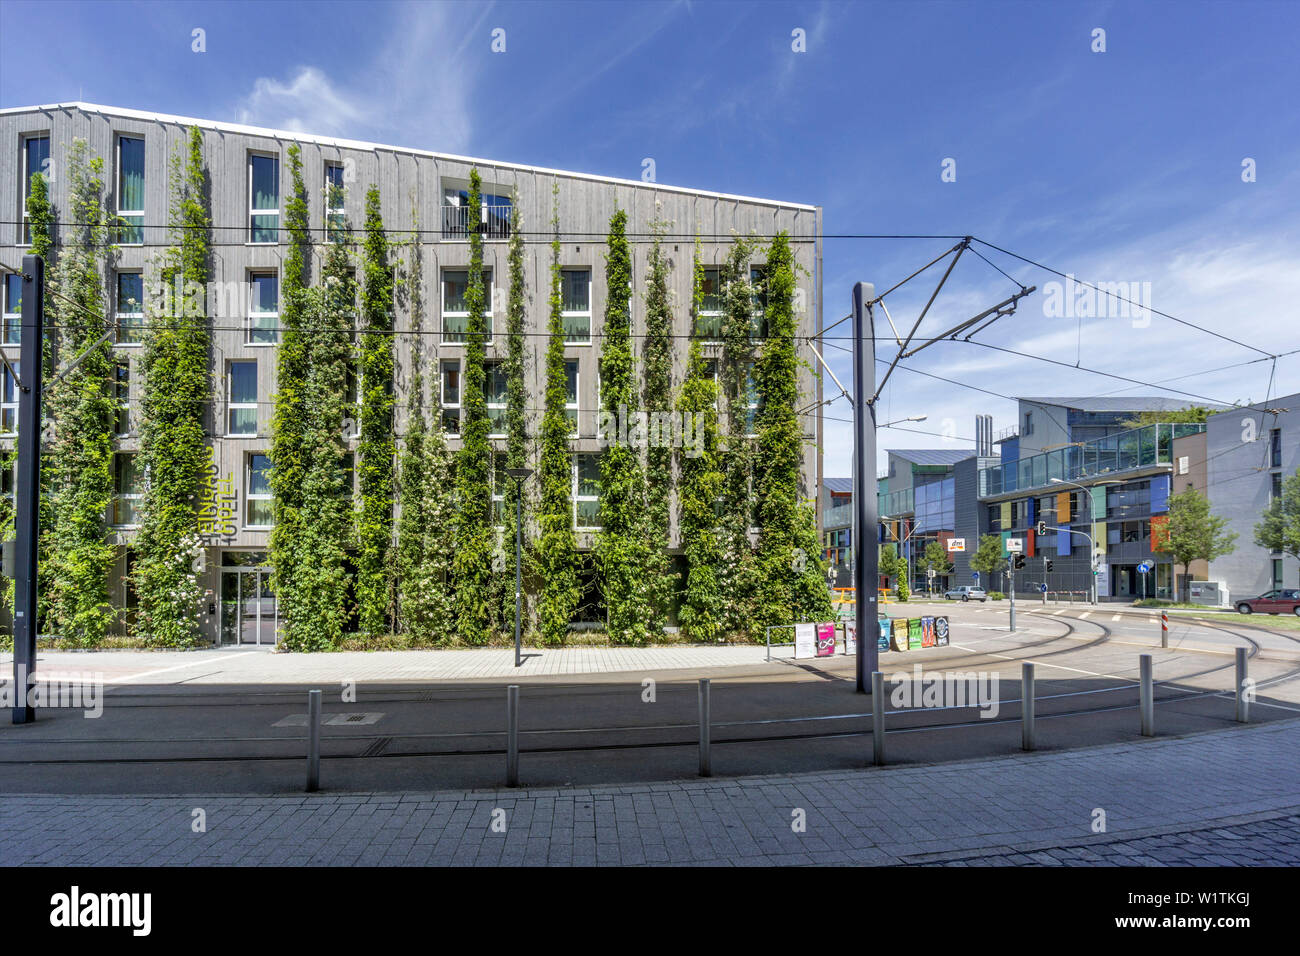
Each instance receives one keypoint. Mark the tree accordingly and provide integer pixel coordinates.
(84, 414)
(177, 387)
(1280, 528)
(622, 553)
(290, 415)
(989, 557)
(472, 560)
(656, 396)
(1193, 414)
(1192, 532)
(935, 559)
(556, 548)
(890, 563)
(700, 613)
(377, 448)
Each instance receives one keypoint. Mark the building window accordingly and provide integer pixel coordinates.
(258, 494)
(1029, 424)
(494, 217)
(708, 321)
(1275, 447)
(9, 393)
(758, 301)
(130, 308)
(586, 490)
(500, 481)
(495, 393)
(130, 190)
(335, 196)
(36, 156)
(263, 198)
(571, 395)
(1275, 491)
(122, 395)
(575, 305)
(127, 490)
(1277, 573)
(13, 309)
(450, 398)
(263, 308)
(750, 402)
(241, 416)
(455, 311)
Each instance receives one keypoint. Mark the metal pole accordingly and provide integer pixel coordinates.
(1164, 629)
(512, 735)
(27, 491)
(767, 636)
(1147, 697)
(313, 741)
(519, 504)
(1027, 706)
(706, 761)
(866, 559)
(877, 717)
(1243, 704)
(1011, 577)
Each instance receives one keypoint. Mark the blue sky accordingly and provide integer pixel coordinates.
(1115, 166)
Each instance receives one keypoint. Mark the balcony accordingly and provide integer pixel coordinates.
(494, 223)
(1131, 450)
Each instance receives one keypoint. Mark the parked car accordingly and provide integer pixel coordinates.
(966, 593)
(1280, 601)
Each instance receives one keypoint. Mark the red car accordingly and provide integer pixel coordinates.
(1281, 601)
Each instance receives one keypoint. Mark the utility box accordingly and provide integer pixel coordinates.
(1209, 593)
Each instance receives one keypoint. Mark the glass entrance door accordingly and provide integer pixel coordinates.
(248, 608)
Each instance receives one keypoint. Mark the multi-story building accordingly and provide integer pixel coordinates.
(421, 190)
(1249, 452)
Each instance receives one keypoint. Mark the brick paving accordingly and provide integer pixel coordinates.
(1228, 797)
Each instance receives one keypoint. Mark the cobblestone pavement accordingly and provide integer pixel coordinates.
(1219, 797)
(1272, 841)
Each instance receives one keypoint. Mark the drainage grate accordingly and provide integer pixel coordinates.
(358, 720)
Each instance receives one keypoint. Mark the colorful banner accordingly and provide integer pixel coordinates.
(940, 632)
(899, 637)
(886, 627)
(927, 632)
(913, 633)
(826, 640)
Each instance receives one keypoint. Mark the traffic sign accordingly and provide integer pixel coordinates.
(1144, 567)
(975, 576)
(1015, 545)
(1043, 588)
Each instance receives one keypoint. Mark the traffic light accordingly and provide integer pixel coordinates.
(1017, 562)
(1041, 527)
(1048, 565)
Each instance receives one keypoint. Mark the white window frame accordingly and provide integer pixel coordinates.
(124, 213)
(575, 406)
(122, 498)
(24, 236)
(489, 367)
(12, 319)
(443, 404)
(487, 305)
(253, 276)
(252, 212)
(249, 497)
(713, 313)
(233, 406)
(570, 313)
(119, 316)
(577, 498)
(341, 209)
(498, 492)
(8, 405)
(123, 401)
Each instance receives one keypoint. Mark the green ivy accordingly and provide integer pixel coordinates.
(700, 612)
(516, 417)
(81, 455)
(656, 396)
(177, 387)
(376, 449)
(472, 561)
(556, 562)
(40, 219)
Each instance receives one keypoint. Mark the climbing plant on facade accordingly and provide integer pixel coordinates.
(656, 398)
(700, 611)
(622, 543)
(376, 450)
(556, 561)
(516, 452)
(81, 454)
(176, 388)
(472, 560)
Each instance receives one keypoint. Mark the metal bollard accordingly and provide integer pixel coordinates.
(1147, 697)
(1027, 706)
(1164, 628)
(878, 718)
(313, 741)
(1243, 704)
(512, 735)
(706, 763)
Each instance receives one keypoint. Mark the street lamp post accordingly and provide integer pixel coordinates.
(520, 475)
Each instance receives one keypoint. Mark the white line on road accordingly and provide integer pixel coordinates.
(164, 670)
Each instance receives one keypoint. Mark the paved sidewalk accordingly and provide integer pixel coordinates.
(1237, 788)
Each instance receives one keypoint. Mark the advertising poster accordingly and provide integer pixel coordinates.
(900, 633)
(850, 637)
(940, 632)
(886, 628)
(927, 632)
(826, 640)
(913, 633)
(805, 640)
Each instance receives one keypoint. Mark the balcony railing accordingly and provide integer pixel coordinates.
(494, 222)
(1136, 448)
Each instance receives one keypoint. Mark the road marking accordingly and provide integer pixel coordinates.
(1114, 617)
(1077, 670)
(1058, 613)
(1084, 615)
(164, 670)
